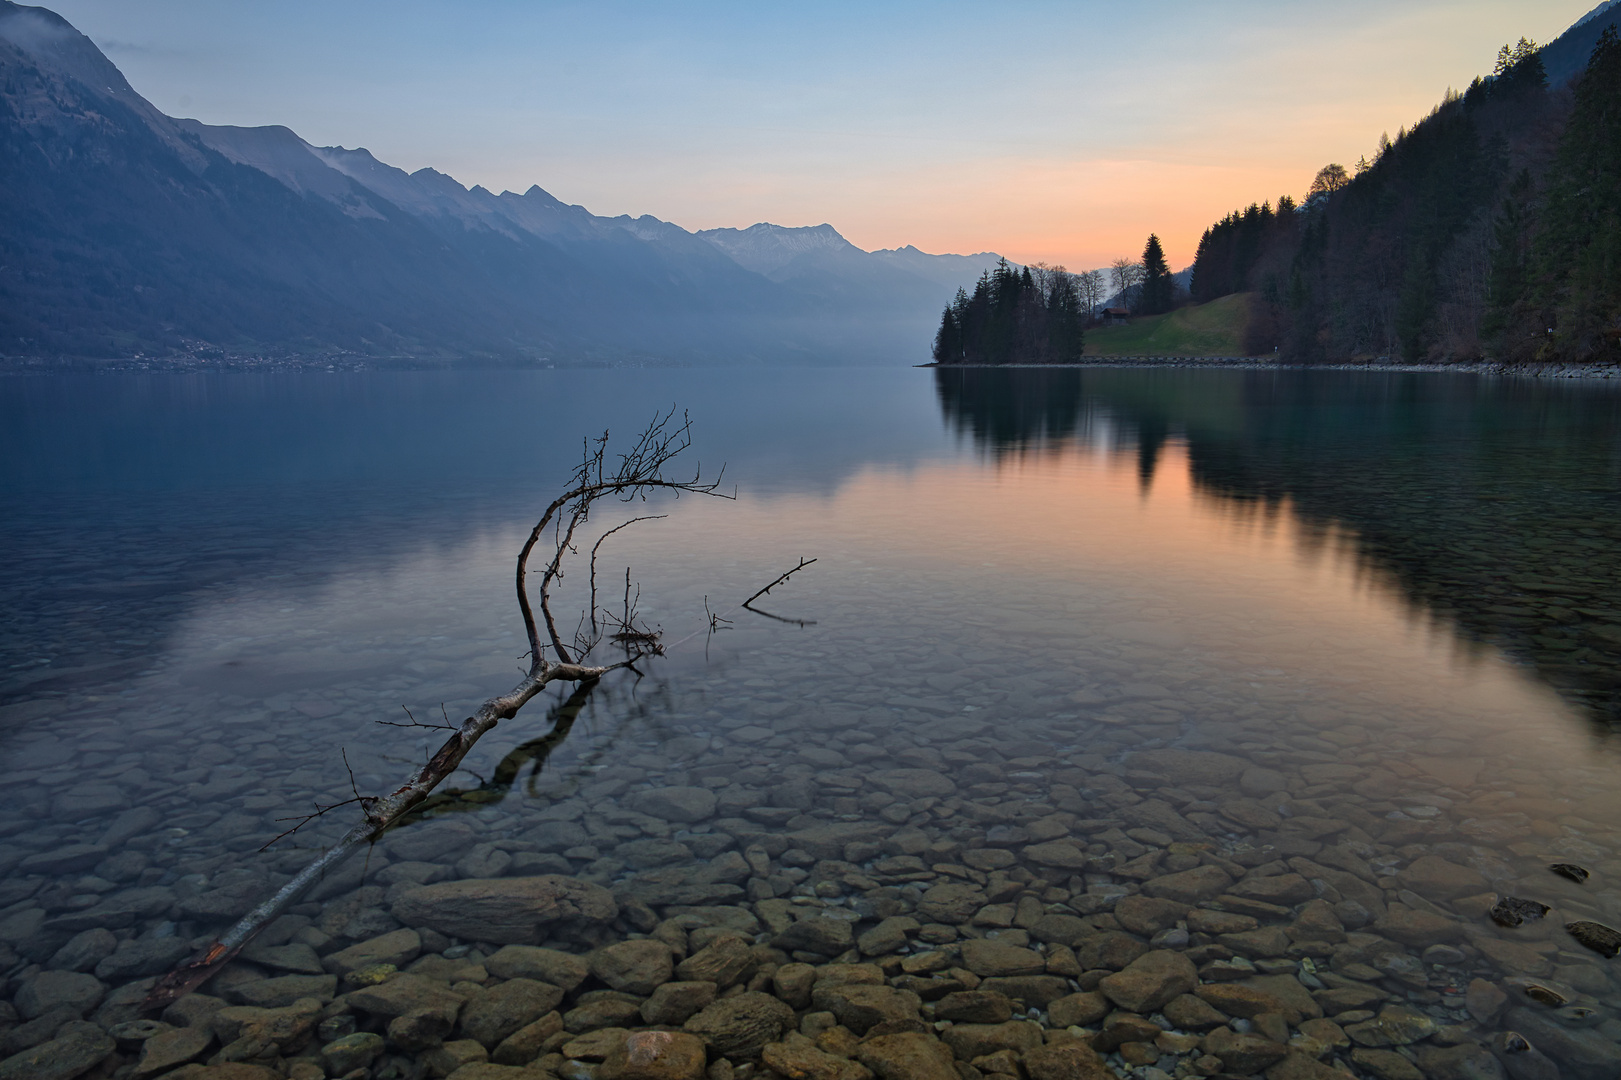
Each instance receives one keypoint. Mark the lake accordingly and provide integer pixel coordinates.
(1288, 676)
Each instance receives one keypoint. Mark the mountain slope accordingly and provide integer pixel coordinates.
(127, 231)
(119, 231)
(1565, 57)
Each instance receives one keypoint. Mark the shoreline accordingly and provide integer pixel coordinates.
(1252, 363)
(11, 366)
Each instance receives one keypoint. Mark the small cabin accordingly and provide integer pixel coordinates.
(1116, 316)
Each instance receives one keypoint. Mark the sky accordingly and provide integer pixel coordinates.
(1058, 132)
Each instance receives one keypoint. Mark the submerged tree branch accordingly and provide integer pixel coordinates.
(640, 471)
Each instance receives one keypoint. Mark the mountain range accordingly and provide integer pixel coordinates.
(129, 233)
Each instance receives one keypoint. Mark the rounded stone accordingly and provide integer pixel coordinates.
(687, 805)
(1150, 981)
(655, 1055)
(58, 989)
(507, 911)
(634, 967)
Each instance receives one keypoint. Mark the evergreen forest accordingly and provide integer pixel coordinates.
(1029, 316)
(1491, 228)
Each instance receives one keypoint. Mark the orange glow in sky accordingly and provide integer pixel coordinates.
(1056, 131)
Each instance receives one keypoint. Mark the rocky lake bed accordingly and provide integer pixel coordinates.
(1094, 756)
(919, 905)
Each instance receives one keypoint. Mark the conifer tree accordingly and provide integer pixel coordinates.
(1014, 317)
(1159, 289)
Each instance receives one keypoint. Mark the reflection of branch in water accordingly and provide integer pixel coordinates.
(536, 752)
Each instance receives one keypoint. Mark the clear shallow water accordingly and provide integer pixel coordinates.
(1389, 603)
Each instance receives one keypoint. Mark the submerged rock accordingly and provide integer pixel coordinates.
(680, 804)
(1512, 911)
(1584, 1051)
(507, 911)
(1190, 766)
(1544, 996)
(654, 1055)
(1596, 936)
(1190, 886)
(1434, 877)
(77, 1048)
(1578, 874)
(739, 1026)
(798, 1057)
(907, 1056)
(564, 970)
(1150, 981)
(635, 967)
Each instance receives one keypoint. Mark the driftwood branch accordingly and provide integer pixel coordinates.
(640, 471)
(748, 605)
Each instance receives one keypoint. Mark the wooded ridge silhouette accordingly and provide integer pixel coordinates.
(1490, 228)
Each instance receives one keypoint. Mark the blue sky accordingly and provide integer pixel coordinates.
(1063, 132)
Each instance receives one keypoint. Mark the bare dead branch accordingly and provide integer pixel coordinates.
(640, 471)
(597, 546)
(803, 562)
(748, 605)
(715, 620)
(320, 811)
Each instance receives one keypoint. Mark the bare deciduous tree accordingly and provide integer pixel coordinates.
(1090, 284)
(1125, 275)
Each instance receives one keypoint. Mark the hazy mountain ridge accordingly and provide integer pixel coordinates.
(130, 231)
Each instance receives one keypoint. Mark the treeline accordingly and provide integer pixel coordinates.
(1030, 316)
(1230, 251)
(1492, 227)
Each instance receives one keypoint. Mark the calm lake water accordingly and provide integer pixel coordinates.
(1351, 640)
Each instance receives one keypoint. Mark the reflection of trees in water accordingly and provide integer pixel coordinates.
(1493, 505)
(1025, 410)
(1036, 407)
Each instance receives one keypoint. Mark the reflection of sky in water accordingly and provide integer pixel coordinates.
(1083, 575)
(1034, 565)
(332, 514)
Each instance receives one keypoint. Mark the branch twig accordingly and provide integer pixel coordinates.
(597, 545)
(748, 604)
(803, 562)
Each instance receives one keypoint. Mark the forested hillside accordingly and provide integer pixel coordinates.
(1492, 228)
